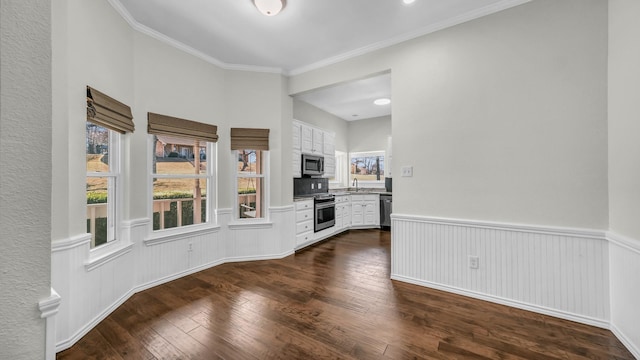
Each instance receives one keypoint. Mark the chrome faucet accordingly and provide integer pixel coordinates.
(355, 183)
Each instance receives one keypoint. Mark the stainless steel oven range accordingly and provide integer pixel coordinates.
(324, 211)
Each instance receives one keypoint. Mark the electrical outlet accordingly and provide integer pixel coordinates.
(407, 171)
(474, 262)
(313, 186)
(319, 186)
(190, 246)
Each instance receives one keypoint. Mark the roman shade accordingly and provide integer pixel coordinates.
(168, 125)
(108, 112)
(254, 139)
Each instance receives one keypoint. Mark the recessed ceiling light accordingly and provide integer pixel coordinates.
(382, 101)
(408, 1)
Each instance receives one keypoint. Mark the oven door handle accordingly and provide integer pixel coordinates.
(325, 205)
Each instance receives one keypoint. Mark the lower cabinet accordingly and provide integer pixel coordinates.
(365, 210)
(304, 222)
(352, 211)
(343, 213)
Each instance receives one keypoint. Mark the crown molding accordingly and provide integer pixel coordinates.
(457, 20)
(133, 23)
(471, 15)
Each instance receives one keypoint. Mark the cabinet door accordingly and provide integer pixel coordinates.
(297, 141)
(329, 166)
(346, 216)
(357, 214)
(339, 216)
(306, 138)
(296, 162)
(370, 213)
(329, 147)
(318, 141)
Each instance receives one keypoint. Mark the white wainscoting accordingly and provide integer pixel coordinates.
(92, 286)
(624, 259)
(554, 271)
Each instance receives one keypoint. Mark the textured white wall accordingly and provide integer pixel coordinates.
(502, 118)
(624, 166)
(25, 175)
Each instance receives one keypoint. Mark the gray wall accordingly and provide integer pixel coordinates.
(369, 134)
(501, 118)
(25, 178)
(624, 166)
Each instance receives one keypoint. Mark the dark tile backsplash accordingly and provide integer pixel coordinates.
(310, 186)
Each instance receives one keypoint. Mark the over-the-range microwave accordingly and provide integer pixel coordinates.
(312, 165)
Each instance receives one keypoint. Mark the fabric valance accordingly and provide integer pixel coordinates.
(168, 125)
(108, 112)
(254, 139)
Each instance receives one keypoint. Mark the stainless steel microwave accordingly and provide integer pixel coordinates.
(312, 165)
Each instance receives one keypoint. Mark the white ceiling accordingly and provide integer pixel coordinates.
(306, 35)
(353, 100)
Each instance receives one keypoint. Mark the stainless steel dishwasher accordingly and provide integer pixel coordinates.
(385, 210)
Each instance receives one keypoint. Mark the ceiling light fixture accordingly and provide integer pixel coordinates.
(408, 1)
(269, 7)
(382, 101)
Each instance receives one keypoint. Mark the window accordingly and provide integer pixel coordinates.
(368, 168)
(182, 171)
(182, 179)
(251, 156)
(250, 183)
(340, 178)
(107, 119)
(102, 148)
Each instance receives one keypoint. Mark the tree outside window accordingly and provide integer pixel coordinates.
(367, 167)
(181, 176)
(250, 183)
(102, 146)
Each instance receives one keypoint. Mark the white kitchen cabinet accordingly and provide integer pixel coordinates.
(297, 140)
(329, 143)
(365, 210)
(343, 213)
(297, 164)
(311, 140)
(304, 222)
(329, 166)
(329, 150)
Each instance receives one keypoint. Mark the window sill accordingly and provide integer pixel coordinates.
(106, 254)
(169, 235)
(250, 224)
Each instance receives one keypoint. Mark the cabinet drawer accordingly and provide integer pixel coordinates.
(304, 215)
(303, 238)
(302, 205)
(304, 226)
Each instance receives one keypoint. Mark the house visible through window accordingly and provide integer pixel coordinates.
(182, 171)
(181, 179)
(102, 147)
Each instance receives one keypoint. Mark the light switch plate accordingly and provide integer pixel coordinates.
(407, 171)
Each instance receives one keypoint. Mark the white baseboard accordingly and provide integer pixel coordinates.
(63, 345)
(635, 351)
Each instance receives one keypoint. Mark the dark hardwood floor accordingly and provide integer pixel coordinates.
(330, 301)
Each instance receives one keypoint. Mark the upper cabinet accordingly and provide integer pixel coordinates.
(311, 140)
(297, 140)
